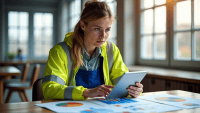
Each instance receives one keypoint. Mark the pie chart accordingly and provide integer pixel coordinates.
(190, 104)
(69, 104)
(170, 99)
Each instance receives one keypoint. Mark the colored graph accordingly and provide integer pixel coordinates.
(117, 105)
(69, 104)
(118, 101)
(170, 99)
(94, 110)
(136, 109)
(190, 104)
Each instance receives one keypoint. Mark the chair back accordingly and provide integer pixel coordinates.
(25, 72)
(35, 74)
(37, 93)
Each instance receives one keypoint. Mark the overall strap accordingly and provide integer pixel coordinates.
(109, 49)
(67, 49)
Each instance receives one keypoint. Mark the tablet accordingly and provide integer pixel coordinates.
(129, 78)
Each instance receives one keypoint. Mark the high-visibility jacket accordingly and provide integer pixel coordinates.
(59, 77)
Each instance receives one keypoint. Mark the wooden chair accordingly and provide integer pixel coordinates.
(23, 77)
(37, 93)
(21, 87)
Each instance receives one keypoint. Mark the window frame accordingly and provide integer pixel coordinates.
(152, 62)
(30, 43)
(73, 15)
(18, 28)
(178, 63)
(42, 41)
(170, 16)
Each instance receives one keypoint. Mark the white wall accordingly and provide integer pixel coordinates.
(125, 30)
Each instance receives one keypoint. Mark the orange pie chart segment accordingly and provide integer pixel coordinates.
(69, 104)
(170, 99)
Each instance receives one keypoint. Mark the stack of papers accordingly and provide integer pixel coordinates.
(155, 103)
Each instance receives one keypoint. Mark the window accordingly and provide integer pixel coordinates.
(169, 32)
(187, 31)
(74, 13)
(153, 30)
(18, 32)
(43, 32)
(113, 6)
(34, 36)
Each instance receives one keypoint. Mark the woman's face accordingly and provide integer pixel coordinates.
(96, 32)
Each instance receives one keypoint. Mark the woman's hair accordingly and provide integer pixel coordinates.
(93, 10)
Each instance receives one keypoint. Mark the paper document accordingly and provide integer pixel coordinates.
(123, 105)
(79, 106)
(173, 100)
(136, 105)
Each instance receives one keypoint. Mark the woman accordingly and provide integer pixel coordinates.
(85, 64)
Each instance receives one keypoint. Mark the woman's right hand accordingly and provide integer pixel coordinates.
(102, 90)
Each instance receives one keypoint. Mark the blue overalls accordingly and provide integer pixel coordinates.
(90, 79)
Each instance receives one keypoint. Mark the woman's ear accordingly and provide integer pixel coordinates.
(82, 24)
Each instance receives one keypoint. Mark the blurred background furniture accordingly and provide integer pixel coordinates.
(23, 75)
(22, 65)
(37, 93)
(6, 72)
(21, 87)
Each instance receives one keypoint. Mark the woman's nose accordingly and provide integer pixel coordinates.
(103, 34)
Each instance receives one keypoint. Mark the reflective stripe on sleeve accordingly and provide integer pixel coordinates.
(109, 48)
(68, 92)
(53, 78)
(116, 80)
(67, 49)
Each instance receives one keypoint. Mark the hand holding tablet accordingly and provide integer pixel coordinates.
(134, 91)
(127, 80)
(126, 85)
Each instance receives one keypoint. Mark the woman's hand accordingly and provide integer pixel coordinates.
(134, 91)
(102, 90)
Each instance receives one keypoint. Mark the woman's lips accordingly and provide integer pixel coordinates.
(100, 41)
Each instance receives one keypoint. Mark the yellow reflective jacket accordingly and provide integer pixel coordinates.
(56, 79)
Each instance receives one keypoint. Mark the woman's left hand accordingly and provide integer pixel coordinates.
(134, 91)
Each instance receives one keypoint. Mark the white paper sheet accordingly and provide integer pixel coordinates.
(136, 105)
(173, 100)
(79, 106)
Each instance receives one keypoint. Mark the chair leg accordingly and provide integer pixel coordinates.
(4, 89)
(22, 96)
(9, 95)
(25, 95)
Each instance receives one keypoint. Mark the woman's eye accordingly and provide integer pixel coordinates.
(97, 29)
(107, 30)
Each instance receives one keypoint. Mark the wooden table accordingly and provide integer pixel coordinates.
(6, 72)
(13, 63)
(30, 106)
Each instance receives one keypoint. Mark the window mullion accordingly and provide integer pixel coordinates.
(192, 32)
(153, 35)
(6, 30)
(18, 29)
(170, 30)
(43, 29)
(31, 45)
